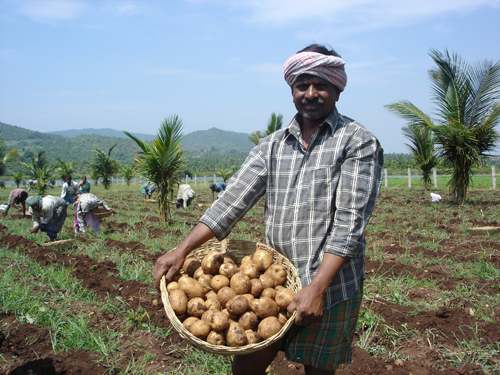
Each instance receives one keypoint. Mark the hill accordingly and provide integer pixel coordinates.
(212, 139)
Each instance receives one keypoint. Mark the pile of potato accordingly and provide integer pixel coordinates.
(226, 304)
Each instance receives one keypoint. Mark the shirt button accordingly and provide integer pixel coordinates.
(293, 240)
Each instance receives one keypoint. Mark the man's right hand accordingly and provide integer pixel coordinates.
(34, 229)
(168, 265)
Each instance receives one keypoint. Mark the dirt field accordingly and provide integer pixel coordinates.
(426, 310)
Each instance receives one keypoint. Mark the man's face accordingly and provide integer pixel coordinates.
(314, 98)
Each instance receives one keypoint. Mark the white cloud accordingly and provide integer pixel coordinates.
(52, 10)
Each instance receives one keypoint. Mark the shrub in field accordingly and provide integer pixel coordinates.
(104, 166)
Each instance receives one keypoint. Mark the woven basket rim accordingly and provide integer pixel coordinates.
(227, 350)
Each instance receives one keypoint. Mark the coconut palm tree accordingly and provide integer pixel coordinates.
(40, 170)
(6, 157)
(468, 110)
(17, 178)
(160, 159)
(104, 166)
(225, 174)
(422, 148)
(63, 169)
(275, 123)
(128, 172)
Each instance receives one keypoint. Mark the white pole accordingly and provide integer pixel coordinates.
(409, 178)
(186, 179)
(205, 180)
(385, 175)
(123, 180)
(493, 176)
(434, 173)
(195, 180)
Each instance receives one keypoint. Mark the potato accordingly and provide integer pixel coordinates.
(264, 307)
(224, 295)
(196, 307)
(249, 320)
(218, 282)
(189, 322)
(200, 329)
(278, 273)
(246, 259)
(191, 287)
(267, 281)
(213, 304)
(216, 338)
(252, 336)
(256, 288)
(284, 297)
(277, 288)
(178, 300)
(232, 317)
(191, 264)
(205, 281)
(198, 273)
(237, 305)
(269, 292)
(240, 283)
(230, 258)
(262, 259)
(249, 297)
(207, 315)
(218, 321)
(210, 295)
(235, 335)
(228, 269)
(172, 285)
(268, 327)
(250, 270)
(212, 262)
(282, 316)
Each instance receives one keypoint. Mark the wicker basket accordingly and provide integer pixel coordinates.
(101, 212)
(239, 249)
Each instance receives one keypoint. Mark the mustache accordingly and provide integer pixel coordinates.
(312, 101)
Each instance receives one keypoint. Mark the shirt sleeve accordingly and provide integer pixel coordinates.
(356, 195)
(64, 189)
(244, 189)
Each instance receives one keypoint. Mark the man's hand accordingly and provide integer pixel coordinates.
(309, 305)
(35, 229)
(168, 264)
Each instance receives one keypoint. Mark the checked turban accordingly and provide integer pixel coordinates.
(330, 68)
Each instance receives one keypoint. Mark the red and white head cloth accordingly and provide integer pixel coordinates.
(330, 68)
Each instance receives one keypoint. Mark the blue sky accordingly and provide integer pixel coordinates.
(127, 65)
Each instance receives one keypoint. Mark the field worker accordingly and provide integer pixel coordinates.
(48, 214)
(185, 195)
(320, 177)
(69, 190)
(84, 185)
(84, 215)
(218, 187)
(17, 196)
(148, 189)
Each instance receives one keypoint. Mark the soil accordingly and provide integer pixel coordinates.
(27, 349)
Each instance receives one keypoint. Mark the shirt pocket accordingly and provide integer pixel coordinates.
(321, 190)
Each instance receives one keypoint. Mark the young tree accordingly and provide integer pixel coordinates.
(422, 148)
(468, 110)
(128, 172)
(40, 170)
(225, 174)
(104, 166)
(160, 159)
(17, 178)
(274, 123)
(6, 157)
(63, 169)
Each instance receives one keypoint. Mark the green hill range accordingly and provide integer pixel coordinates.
(206, 150)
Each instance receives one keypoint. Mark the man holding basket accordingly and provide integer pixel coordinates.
(320, 176)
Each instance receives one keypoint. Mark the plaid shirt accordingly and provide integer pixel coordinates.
(318, 199)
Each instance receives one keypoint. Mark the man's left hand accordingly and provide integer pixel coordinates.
(309, 305)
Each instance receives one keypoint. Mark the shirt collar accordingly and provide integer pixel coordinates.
(294, 126)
